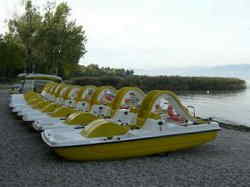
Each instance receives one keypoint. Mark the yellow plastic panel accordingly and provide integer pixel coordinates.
(103, 128)
(129, 97)
(137, 148)
(86, 93)
(62, 112)
(50, 107)
(82, 118)
(99, 97)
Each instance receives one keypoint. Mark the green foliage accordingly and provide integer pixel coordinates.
(175, 83)
(95, 70)
(52, 43)
(24, 29)
(11, 57)
(94, 75)
(62, 41)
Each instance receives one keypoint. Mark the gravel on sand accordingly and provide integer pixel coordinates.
(26, 161)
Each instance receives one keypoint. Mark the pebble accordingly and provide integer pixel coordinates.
(26, 161)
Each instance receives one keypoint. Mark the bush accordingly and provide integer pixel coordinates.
(175, 83)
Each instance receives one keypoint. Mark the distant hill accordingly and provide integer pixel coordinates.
(235, 70)
(241, 71)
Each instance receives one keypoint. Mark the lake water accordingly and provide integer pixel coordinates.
(233, 107)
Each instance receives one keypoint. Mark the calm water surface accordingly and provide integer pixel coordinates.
(233, 107)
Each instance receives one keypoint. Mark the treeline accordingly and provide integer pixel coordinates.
(42, 40)
(95, 70)
(174, 83)
(11, 58)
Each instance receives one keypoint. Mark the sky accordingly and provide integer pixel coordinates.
(147, 35)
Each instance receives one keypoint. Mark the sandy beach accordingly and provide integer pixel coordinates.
(26, 161)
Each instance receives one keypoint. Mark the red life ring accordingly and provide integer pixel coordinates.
(124, 107)
(172, 115)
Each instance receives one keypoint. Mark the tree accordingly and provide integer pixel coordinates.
(12, 57)
(53, 44)
(63, 41)
(25, 28)
(95, 70)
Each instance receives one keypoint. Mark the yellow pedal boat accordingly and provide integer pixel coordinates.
(126, 98)
(163, 124)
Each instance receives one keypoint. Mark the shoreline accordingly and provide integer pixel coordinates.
(237, 127)
(27, 161)
(174, 83)
(223, 123)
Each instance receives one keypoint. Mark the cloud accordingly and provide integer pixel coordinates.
(155, 34)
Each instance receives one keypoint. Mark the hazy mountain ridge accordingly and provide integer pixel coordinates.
(241, 71)
(234, 70)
